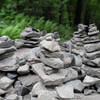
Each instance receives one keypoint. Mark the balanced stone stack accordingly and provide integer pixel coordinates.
(76, 44)
(54, 72)
(8, 61)
(31, 38)
(92, 48)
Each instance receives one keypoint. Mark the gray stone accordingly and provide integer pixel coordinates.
(78, 61)
(76, 84)
(46, 96)
(12, 75)
(7, 50)
(4, 38)
(94, 72)
(27, 97)
(92, 47)
(50, 45)
(9, 64)
(19, 43)
(22, 62)
(93, 55)
(90, 80)
(5, 82)
(12, 97)
(56, 63)
(96, 62)
(6, 44)
(22, 70)
(27, 80)
(31, 55)
(65, 92)
(30, 34)
(89, 91)
(53, 79)
(49, 70)
(39, 89)
(70, 74)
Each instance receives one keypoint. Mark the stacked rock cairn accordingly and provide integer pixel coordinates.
(39, 67)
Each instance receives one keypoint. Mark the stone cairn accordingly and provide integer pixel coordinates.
(38, 67)
(31, 38)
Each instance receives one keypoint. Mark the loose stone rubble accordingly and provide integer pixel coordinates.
(39, 67)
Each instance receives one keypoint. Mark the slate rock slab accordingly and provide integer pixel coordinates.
(9, 64)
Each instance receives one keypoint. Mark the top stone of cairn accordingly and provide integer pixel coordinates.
(93, 30)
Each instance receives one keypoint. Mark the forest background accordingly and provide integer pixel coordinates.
(51, 15)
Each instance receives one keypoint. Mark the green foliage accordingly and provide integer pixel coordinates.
(13, 26)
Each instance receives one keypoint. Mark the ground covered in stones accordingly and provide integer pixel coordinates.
(39, 67)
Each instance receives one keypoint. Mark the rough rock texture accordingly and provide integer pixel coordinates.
(39, 67)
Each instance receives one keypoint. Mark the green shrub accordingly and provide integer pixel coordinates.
(12, 25)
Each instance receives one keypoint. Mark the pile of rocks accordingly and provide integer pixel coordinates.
(31, 38)
(8, 61)
(50, 70)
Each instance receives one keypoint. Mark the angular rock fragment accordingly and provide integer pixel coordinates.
(70, 74)
(39, 89)
(5, 82)
(76, 84)
(94, 72)
(22, 70)
(56, 63)
(9, 64)
(92, 47)
(27, 80)
(53, 79)
(91, 80)
(12, 97)
(51, 45)
(65, 92)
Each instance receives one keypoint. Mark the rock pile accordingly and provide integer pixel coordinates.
(8, 61)
(31, 38)
(50, 70)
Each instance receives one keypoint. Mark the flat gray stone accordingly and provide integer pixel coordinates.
(65, 92)
(6, 44)
(12, 97)
(56, 63)
(9, 64)
(94, 72)
(92, 47)
(50, 45)
(28, 80)
(39, 89)
(70, 74)
(53, 79)
(93, 55)
(76, 84)
(90, 80)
